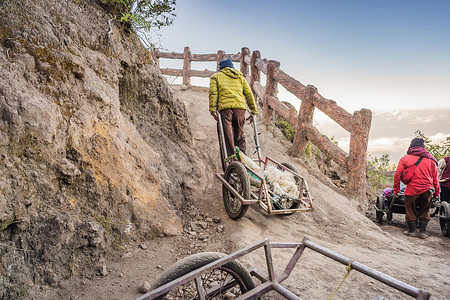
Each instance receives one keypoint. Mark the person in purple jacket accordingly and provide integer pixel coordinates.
(444, 178)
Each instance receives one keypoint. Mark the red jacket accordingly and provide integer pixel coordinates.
(425, 176)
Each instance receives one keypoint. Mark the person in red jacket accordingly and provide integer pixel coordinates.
(420, 189)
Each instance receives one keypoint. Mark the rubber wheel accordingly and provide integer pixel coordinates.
(237, 176)
(379, 214)
(289, 204)
(229, 280)
(445, 224)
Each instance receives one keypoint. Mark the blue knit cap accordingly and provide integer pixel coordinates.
(226, 63)
(417, 142)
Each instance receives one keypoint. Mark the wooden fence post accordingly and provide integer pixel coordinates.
(305, 118)
(271, 87)
(357, 161)
(155, 56)
(186, 66)
(220, 56)
(244, 66)
(255, 75)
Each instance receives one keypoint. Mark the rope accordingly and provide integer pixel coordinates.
(348, 268)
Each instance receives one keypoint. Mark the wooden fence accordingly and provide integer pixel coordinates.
(357, 124)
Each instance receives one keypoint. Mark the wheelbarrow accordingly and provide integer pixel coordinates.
(276, 187)
(213, 275)
(388, 204)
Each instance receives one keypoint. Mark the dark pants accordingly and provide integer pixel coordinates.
(418, 207)
(233, 121)
(445, 194)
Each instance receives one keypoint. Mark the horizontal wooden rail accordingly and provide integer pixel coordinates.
(172, 72)
(357, 124)
(289, 83)
(335, 112)
(205, 73)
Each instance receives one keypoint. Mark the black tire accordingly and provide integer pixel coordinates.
(379, 214)
(445, 223)
(237, 176)
(288, 204)
(231, 277)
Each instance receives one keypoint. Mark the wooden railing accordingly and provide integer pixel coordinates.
(357, 124)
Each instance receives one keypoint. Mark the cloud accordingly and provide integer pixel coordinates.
(388, 145)
(391, 131)
(439, 137)
(425, 119)
(401, 114)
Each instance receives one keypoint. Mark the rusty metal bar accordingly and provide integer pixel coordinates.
(234, 192)
(285, 292)
(270, 209)
(199, 286)
(257, 292)
(392, 282)
(269, 262)
(222, 138)
(290, 266)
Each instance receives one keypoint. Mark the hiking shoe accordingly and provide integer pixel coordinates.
(422, 235)
(411, 228)
(422, 230)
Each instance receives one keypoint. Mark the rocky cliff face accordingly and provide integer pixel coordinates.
(94, 145)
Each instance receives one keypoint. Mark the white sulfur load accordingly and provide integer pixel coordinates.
(247, 161)
(283, 183)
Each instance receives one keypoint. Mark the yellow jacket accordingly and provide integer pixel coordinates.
(229, 89)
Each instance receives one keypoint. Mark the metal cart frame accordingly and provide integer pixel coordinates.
(305, 201)
(272, 282)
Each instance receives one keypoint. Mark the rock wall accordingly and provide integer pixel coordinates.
(94, 145)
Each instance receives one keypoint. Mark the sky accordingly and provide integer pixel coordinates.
(392, 57)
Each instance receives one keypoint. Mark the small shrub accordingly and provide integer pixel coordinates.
(144, 16)
(7, 222)
(287, 129)
(378, 168)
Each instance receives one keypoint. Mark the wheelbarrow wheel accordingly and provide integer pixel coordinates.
(379, 214)
(229, 280)
(289, 204)
(237, 176)
(445, 222)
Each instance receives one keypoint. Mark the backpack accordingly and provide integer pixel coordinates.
(408, 172)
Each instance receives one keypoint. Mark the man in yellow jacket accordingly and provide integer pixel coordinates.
(229, 94)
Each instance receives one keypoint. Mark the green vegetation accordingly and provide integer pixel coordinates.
(286, 128)
(437, 150)
(313, 151)
(144, 16)
(111, 229)
(378, 172)
(7, 222)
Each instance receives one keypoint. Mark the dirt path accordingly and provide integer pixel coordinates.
(335, 224)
